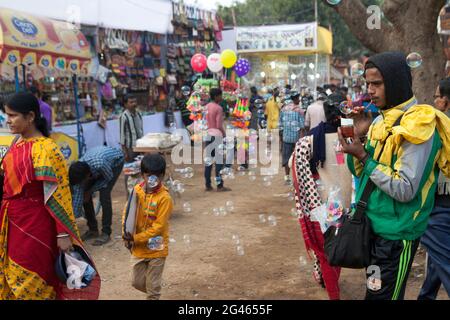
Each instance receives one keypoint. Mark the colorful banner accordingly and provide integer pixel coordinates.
(300, 37)
(25, 37)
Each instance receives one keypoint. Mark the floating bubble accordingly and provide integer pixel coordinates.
(291, 196)
(185, 90)
(357, 70)
(208, 161)
(414, 60)
(272, 220)
(240, 250)
(223, 212)
(187, 239)
(230, 206)
(346, 107)
(252, 178)
(294, 212)
(187, 207)
(172, 240)
(303, 261)
(189, 175)
(229, 140)
(216, 212)
(262, 218)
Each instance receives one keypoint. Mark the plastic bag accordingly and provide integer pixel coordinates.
(320, 214)
(156, 243)
(334, 206)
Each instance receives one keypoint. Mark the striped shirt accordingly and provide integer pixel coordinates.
(131, 128)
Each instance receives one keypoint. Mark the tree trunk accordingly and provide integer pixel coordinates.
(407, 26)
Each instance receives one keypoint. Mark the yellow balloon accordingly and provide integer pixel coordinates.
(228, 58)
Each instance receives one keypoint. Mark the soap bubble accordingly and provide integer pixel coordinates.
(346, 107)
(334, 2)
(187, 239)
(185, 90)
(208, 161)
(230, 205)
(272, 220)
(240, 250)
(262, 218)
(252, 178)
(414, 60)
(216, 212)
(223, 212)
(303, 261)
(172, 240)
(230, 146)
(187, 207)
(294, 212)
(357, 70)
(291, 196)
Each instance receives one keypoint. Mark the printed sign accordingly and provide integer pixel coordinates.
(277, 38)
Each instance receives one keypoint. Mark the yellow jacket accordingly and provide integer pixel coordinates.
(273, 113)
(153, 213)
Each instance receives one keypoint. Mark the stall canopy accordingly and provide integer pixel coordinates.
(140, 15)
(31, 40)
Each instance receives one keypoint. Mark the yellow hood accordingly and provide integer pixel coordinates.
(417, 126)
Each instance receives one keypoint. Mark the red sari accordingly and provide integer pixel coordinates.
(36, 207)
(307, 199)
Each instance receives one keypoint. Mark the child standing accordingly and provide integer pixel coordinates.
(146, 226)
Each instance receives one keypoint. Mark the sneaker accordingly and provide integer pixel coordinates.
(103, 239)
(88, 235)
(223, 189)
(209, 188)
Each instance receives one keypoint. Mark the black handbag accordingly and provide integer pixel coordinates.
(2, 175)
(349, 245)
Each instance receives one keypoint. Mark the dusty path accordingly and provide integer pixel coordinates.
(210, 267)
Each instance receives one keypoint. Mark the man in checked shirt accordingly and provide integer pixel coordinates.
(97, 170)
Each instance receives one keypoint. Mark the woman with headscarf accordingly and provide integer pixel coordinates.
(314, 159)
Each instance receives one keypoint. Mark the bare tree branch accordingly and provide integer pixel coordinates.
(354, 13)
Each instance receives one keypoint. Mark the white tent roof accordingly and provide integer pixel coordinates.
(141, 15)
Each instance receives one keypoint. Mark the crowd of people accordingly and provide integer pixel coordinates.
(399, 155)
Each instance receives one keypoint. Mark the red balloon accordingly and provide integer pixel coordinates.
(199, 62)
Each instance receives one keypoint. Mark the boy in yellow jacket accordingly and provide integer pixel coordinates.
(146, 226)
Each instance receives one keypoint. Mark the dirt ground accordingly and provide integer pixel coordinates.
(272, 267)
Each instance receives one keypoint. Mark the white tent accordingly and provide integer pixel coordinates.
(140, 15)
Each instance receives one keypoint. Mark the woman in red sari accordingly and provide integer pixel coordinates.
(36, 218)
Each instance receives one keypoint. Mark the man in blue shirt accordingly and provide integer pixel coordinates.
(292, 122)
(97, 170)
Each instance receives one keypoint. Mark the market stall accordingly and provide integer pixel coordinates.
(49, 54)
(284, 54)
